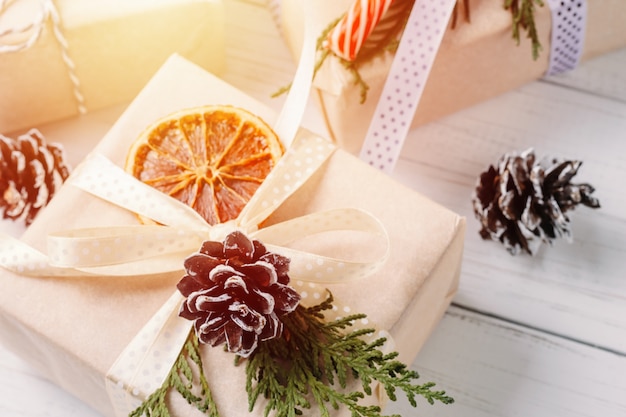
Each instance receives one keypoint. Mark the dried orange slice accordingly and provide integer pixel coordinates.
(212, 158)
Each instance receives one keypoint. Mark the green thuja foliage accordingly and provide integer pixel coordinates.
(181, 380)
(523, 12)
(312, 364)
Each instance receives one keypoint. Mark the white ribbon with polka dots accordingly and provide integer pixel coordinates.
(405, 82)
(569, 20)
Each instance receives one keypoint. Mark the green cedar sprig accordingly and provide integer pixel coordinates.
(316, 359)
(181, 379)
(523, 12)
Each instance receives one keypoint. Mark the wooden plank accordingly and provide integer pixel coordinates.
(493, 368)
(604, 76)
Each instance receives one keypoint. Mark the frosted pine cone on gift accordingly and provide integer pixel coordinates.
(521, 202)
(31, 172)
(236, 293)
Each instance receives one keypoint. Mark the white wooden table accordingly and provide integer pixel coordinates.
(526, 336)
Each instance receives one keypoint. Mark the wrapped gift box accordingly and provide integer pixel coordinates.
(476, 61)
(115, 46)
(73, 329)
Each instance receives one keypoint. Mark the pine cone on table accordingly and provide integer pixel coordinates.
(521, 202)
(31, 172)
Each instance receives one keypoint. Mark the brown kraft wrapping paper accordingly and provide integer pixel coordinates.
(73, 329)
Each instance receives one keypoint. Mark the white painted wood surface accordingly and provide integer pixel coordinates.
(528, 336)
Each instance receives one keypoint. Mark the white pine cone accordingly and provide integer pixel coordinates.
(31, 172)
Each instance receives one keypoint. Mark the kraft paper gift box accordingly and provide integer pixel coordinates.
(115, 46)
(73, 329)
(476, 61)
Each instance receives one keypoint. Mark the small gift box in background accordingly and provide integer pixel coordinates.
(62, 57)
(73, 329)
(477, 60)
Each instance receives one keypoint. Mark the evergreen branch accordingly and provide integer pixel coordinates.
(523, 12)
(314, 361)
(181, 379)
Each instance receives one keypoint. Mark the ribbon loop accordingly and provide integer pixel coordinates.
(324, 269)
(116, 245)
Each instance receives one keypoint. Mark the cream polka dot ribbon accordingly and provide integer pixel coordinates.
(405, 82)
(19, 38)
(569, 19)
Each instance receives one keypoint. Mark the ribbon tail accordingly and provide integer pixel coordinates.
(145, 363)
(123, 250)
(17, 257)
(298, 164)
(288, 121)
(405, 83)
